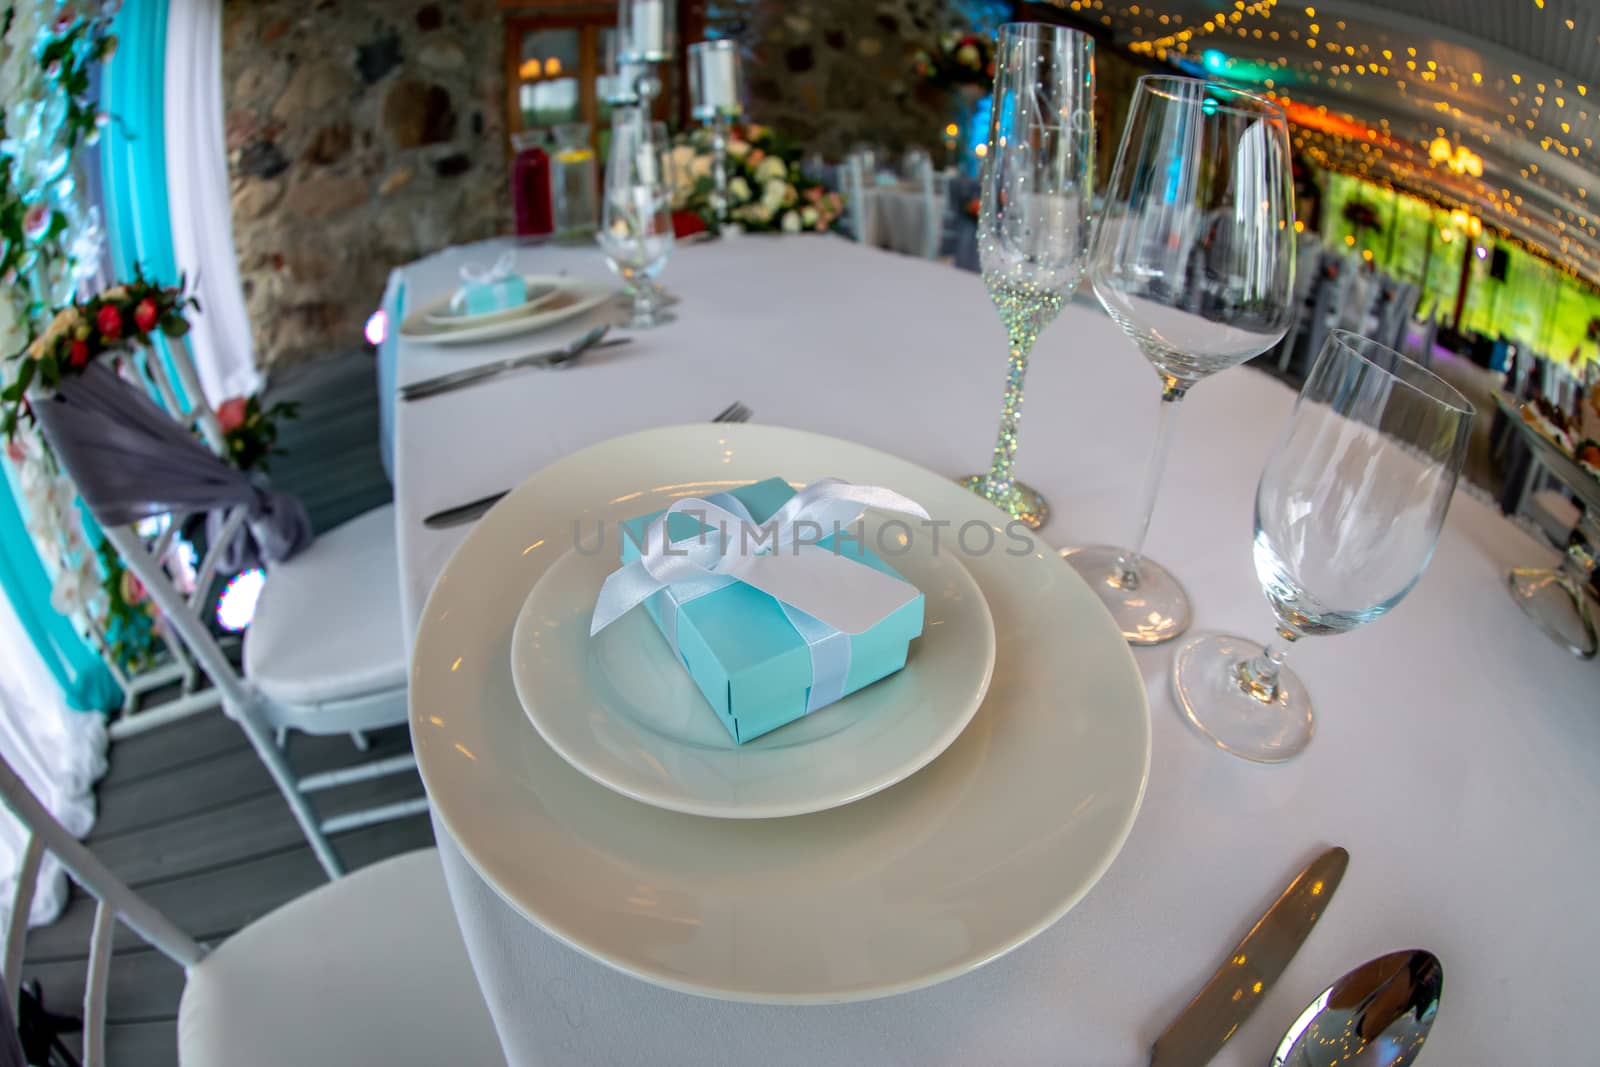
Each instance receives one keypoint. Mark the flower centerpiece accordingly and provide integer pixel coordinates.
(766, 191)
(956, 59)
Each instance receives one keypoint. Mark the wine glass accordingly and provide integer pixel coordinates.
(1194, 259)
(1033, 215)
(636, 219)
(1347, 515)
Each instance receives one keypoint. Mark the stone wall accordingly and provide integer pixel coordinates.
(831, 73)
(360, 136)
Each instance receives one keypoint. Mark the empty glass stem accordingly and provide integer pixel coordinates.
(1172, 391)
(1258, 676)
(719, 170)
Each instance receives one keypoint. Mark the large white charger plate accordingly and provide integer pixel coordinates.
(620, 707)
(963, 861)
(576, 297)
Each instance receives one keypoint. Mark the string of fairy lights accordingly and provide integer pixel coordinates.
(1462, 126)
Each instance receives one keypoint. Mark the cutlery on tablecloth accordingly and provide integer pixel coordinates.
(557, 357)
(1378, 1015)
(1233, 992)
(439, 520)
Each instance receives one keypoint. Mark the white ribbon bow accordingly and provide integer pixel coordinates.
(502, 268)
(780, 558)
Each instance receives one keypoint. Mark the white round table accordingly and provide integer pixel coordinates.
(1457, 749)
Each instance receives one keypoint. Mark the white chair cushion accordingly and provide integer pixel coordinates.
(327, 626)
(369, 969)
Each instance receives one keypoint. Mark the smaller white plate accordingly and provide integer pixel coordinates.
(573, 299)
(621, 709)
(540, 290)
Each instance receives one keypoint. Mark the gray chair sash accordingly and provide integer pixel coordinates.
(131, 460)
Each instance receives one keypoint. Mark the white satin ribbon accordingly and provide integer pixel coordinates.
(824, 595)
(504, 267)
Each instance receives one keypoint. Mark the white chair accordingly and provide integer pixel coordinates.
(858, 188)
(370, 969)
(325, 653)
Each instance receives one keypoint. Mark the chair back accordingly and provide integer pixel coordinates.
(935, 201)
(114, 901)
(196, 413)
(856, 184)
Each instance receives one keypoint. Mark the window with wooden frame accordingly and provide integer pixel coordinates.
(555, 65)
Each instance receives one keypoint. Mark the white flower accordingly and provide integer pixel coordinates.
(763, 212)
(700, 167)
(739, 190)
(771, 167)
(72, 588)
(791, 222)
(775, 193)
(738, 148)
(808, 216)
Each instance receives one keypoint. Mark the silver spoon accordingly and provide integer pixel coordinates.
(1378, 1015)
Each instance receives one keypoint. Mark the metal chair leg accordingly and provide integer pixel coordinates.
(271, 755)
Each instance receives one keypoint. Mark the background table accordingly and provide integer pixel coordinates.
(1456, 754)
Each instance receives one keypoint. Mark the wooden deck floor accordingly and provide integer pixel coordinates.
(188, 815)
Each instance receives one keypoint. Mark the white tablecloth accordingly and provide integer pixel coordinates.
(1457, 755)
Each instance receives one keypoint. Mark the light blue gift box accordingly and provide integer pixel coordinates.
(749, 661)
(484, 298)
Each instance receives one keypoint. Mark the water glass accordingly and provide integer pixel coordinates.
(636, 220)
(1348, 512)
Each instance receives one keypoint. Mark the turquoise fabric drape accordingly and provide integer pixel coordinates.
(134, 164)
(133, 155)
(85, 680)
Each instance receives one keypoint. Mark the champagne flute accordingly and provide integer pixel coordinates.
(1348, 512)
(636, 220)
(1033, 216)
(1194, 259)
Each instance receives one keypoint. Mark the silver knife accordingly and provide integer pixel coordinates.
(1202, 1028)
(441, 520)
(444, 383)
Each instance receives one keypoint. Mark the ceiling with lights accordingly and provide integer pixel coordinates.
(1486, 106)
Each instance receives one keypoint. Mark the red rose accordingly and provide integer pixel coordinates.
(78, 355)
(231, 414)
(145, 315)
(109, 320)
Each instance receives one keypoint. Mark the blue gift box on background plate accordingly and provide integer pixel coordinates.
(487, 297)
(738, 645)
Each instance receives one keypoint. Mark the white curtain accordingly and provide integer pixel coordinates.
(199, 202)
(58, 752)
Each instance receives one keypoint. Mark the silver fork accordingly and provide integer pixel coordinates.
(440, 520)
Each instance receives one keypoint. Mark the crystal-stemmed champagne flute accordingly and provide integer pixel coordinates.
(1348, 512)
(1033, 215)
(1194, 258)
(636, 219)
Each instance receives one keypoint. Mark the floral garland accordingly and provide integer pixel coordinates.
(766, 191)
(49, 245)
(956, 59)
(120, 316)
